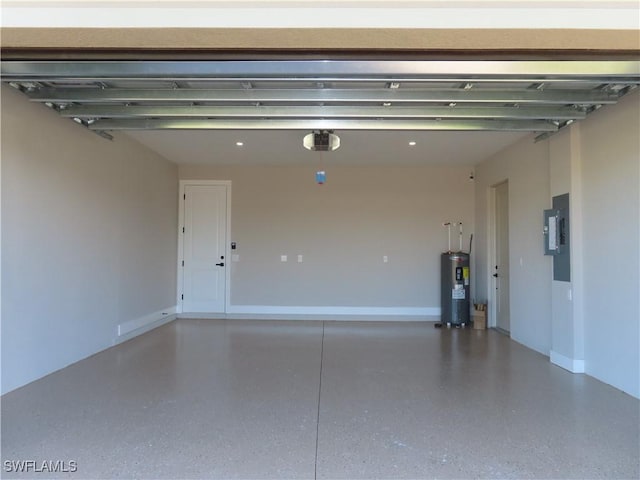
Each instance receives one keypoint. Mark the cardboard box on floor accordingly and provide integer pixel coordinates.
(479, 316)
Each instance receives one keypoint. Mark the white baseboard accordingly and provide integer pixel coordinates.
(571, 364)
(147, 322)
(205, 315)
(271, 312)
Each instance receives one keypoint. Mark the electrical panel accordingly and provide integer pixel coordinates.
(556, 234)
(555, 225)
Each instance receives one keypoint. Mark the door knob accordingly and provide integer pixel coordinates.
(495, 275)
(220, 264)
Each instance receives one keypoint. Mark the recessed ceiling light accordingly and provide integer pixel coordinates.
(412, 143)
(239, 144)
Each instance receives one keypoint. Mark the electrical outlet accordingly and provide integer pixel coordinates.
(283, 258)
(385, 259)
(299, 258)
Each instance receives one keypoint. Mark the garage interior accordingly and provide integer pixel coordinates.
(319, 358)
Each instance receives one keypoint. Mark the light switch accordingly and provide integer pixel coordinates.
(385, 259)
(235, 257)
(299, 258)
(283, 258)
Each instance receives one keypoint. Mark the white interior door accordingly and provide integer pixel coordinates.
(204, 241)
(501, 270)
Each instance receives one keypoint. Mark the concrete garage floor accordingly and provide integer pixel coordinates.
(276, 399)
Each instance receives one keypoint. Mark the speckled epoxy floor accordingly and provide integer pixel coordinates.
(267, 399)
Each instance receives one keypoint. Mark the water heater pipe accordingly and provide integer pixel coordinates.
(448, 225)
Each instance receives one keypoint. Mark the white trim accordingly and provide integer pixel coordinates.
(152, 320)
(576, 249)
(492, 245)
(491, 254)
(227, 247)
(567, 14)
(280, 312)
(571, 364)
(205, 315)
(301, 3)
(492, 321)
(287, 310)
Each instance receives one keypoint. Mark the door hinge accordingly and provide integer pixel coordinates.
(183, 263)
(182, 229)
(181, 297)
(184, 196)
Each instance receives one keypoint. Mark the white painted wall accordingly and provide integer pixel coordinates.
(88, 239)
(525, 165)
(598, 162)
(343, 229)
(611, 184)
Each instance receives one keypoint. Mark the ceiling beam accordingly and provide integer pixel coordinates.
(407, 125)
(333, 95)
(307, 112)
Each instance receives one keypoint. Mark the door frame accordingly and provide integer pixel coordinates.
(227, 247)
(492, 246)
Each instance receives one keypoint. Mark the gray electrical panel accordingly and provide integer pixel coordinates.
(455, 289)
(557, 236)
